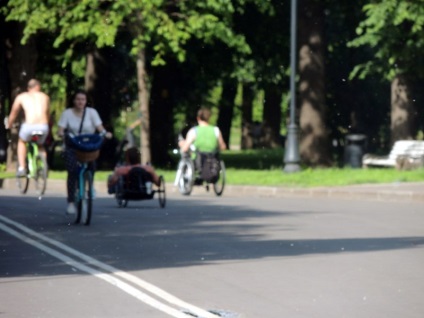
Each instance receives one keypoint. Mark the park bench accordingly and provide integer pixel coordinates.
(405, 154)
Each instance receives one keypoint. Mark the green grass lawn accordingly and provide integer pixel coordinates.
(265, 167)
(276, 177)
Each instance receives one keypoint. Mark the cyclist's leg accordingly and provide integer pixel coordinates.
(71, 166)
(92, 167)
(22, 152)
(24, 135)
(45, 130)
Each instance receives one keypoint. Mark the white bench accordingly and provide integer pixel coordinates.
(412, 150)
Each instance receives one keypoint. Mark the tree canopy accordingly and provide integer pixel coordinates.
(164, 26)
(394, 30)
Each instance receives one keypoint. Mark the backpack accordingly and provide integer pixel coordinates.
(210, 167)
(136, 179)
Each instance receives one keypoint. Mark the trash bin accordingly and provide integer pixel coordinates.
(355, 145)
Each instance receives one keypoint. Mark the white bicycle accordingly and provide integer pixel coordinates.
(189, 173)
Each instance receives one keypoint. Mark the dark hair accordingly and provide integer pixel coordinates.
(204, 114)
(74, 95)
(133, 156)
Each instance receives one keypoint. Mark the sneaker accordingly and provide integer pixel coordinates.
(148, 187)
(21, 172)
(71, 208)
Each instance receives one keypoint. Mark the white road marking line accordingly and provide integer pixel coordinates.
(109, 278)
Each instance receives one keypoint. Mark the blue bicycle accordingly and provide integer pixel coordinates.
(87, 148)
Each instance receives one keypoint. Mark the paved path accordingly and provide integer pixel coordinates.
(399, 191)
(250, 256)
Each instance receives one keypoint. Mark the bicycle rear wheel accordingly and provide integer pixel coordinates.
(40, 177)
(218, 186)
(22, 182)
(87, 199)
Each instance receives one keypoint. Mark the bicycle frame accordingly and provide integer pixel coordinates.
(36, 166)
(32, 153)
(81, 186)
(86, 148)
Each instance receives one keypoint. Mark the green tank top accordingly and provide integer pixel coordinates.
(206, 139)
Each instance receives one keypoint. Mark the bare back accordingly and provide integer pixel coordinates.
(36, 107)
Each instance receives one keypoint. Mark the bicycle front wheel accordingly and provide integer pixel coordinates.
(78, 202)
(186, 180)
(87, 199)
(162, 192)
(218, 186)
(40, 177)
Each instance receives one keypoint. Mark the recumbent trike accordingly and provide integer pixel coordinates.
(137, 185)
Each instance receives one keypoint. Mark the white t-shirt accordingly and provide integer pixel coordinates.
(68, 120)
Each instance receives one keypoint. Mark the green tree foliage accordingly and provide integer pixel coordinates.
(165, 25)
(157, 28)
(355, 106)
(394, 30)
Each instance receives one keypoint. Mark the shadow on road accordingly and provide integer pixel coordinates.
(187, 232)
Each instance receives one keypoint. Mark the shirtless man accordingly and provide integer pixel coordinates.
(36, 105)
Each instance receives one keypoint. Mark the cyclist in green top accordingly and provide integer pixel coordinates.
(205, 137)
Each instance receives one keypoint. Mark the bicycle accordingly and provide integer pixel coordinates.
(86, 150)
(37, 168)
(189, 174)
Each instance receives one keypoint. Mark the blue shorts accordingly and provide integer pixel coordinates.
(26, 131)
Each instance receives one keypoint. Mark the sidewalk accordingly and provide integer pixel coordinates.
(403, 192)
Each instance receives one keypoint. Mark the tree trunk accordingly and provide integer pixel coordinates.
(4, 92)
(99, 89)
(246, 117)
(403, 111)
(143, 98)
(314, 145)
(98, 83)
(272, 117)
(161, 113)
(226, 109)
(21, 65)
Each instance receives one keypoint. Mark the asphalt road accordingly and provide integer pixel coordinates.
(237, 256)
